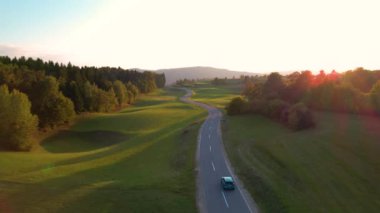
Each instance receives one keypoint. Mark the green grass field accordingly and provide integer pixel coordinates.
(332, 168)
(217, 96)
(138, 160)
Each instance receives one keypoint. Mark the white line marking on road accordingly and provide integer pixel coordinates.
(209, 136)
(225, 200)
(210, 148)
(213, 167)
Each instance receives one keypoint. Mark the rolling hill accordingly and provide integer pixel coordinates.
(172, 75)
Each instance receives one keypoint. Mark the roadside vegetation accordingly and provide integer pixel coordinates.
(288, 99)
(54, 93)
(140, 159)
(330, 168)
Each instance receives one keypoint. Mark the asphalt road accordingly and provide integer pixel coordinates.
(212, 165)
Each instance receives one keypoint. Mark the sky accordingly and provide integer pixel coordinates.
(242, 35)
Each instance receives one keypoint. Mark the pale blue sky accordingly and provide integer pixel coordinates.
(246, 35)
(30, 20)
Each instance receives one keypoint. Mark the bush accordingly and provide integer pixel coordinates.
(300, 117)
(258, 105)
(237, 106)
(276, 108)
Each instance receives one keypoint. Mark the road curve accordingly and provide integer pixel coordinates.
(212, 165)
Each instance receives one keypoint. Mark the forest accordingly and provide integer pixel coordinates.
(290, 99)
(36, 95)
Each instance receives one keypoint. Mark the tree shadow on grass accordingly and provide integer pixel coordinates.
(153, 102)
(78, 141)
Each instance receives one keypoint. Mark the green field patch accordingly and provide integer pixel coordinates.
(75, 141)
(218, 96)
(332, 167)
(138, 160)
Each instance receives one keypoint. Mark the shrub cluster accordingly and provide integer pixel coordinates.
(237, 106)
(296, 116)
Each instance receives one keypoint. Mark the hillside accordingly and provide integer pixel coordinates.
(172, 75)
(140, 159)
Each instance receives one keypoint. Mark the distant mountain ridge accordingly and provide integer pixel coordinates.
(172, 75)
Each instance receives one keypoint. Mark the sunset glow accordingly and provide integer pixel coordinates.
(246, 35)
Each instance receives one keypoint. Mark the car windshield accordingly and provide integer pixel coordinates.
(228, 180)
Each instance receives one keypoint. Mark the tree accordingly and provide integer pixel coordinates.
(361, 79)
(7, 75)
(73, 91)
(51, 106)
(237, 106)
(300, 117)
(160, 80)
(88, 96)
(17, 122)
(276, 108)
(133, 91)
(258, 105)
(147, 83)
(106, 100)
(120, 92)
(320, 78)
(300, 86)
(56, 110)
(333, 76)
(98, 100)
(322, 96)
(375, 96)
(251, 90)
(219, 81)
(274, 86)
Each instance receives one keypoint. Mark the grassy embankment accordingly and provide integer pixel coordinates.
(332, 168)
(138, 160)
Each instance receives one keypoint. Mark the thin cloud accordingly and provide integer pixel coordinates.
(18, 51)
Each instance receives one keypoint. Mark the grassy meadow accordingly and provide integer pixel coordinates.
(332, 168)
(217, 96)
(140, 159)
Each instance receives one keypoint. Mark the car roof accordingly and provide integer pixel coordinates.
(228, 179)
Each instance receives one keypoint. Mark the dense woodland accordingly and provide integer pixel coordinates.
(36, 95)
(289, 99)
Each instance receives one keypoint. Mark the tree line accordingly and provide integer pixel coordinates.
(191, 82)
(185, 82)
(39, 95)
(289, 98)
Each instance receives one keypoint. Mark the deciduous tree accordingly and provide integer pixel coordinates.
(17, 122)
